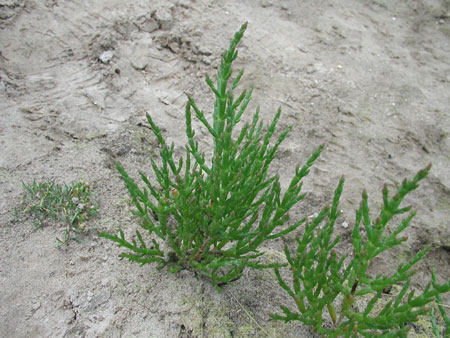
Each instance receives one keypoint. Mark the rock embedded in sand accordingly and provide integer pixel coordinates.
(106, 56)
(164, 18)
(147, 23)
(158, 19)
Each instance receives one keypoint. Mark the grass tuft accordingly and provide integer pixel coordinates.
(70, 205)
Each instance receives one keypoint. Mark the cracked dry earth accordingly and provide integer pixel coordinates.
(368, 78)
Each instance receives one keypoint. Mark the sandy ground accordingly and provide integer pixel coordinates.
(368, 78)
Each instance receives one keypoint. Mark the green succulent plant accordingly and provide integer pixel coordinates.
(324, 283)
(214, 215)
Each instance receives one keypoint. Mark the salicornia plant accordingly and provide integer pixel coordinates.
(324, 284)
(213, 215)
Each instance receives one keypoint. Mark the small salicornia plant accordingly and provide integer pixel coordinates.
(70, 204)
(214, 214)
(323, 283)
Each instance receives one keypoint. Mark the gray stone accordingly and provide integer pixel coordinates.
(147, 23)
(106, 56)
(164, 18)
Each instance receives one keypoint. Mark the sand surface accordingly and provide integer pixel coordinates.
(370, 79)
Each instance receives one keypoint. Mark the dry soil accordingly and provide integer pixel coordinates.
(369, 78)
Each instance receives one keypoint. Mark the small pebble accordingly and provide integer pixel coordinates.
(313, 215)
(106, 56)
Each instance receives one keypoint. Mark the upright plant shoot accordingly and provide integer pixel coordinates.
(213, 215)
(324, 284)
